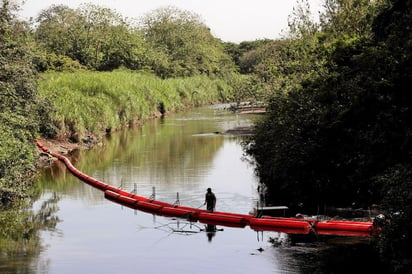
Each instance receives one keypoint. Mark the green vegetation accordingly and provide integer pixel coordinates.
(21, 110)
(170, 42)
(20, 106)
(98, 71)
(183, 45)
(91, 102)
(95, 37)
(338, 131)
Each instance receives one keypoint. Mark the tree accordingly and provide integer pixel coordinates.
(183, 45)
(315, 141)
(243, 54)
(350, 17)
(344, 139)
(59, 32)
(283, 65)
(96, 37)
(18, 103)
(110, 41)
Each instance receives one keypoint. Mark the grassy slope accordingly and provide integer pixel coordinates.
(90, 102)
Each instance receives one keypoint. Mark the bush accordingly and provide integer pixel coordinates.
(52, 62)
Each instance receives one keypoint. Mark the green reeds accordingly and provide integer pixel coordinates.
(91, 102)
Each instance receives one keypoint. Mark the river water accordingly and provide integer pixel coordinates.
(175, 158)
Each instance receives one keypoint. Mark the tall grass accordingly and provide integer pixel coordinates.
(90, 102)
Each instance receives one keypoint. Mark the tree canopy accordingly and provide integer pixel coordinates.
(183, 45)
(169, 41)
(96, 37)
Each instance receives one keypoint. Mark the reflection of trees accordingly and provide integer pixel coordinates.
(20, 228)
(334, 258)
(164, 150)
(176, 151)
(167, 151)
(314, 253)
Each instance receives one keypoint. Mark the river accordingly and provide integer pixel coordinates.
(175, 158)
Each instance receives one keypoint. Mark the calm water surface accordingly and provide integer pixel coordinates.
(72, 228)
(183, 153)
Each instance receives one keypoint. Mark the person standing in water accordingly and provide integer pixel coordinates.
(210, 200)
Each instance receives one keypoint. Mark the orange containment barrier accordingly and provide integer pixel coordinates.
(287, 225)
(287, 230)
(176, 212)
(344, 225)
(337, 232)
(281, 223)
(222, 219)
(132, 203)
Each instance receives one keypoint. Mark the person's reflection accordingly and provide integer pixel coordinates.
(210, 232)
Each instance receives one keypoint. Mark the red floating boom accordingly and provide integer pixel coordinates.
(287, 225)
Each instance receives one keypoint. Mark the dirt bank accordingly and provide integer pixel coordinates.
(63, 147)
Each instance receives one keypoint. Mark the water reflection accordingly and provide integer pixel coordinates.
(328, 255)
(20, 242)
(210, 231)
(187, 228)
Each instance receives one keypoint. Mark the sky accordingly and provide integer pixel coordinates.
(230, 20)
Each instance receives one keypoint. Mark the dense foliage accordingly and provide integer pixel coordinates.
(170, 42)
(341, 136)
(95, 37)
(183, 45)
(20, 105)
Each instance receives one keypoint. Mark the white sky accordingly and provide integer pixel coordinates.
(229, 20)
